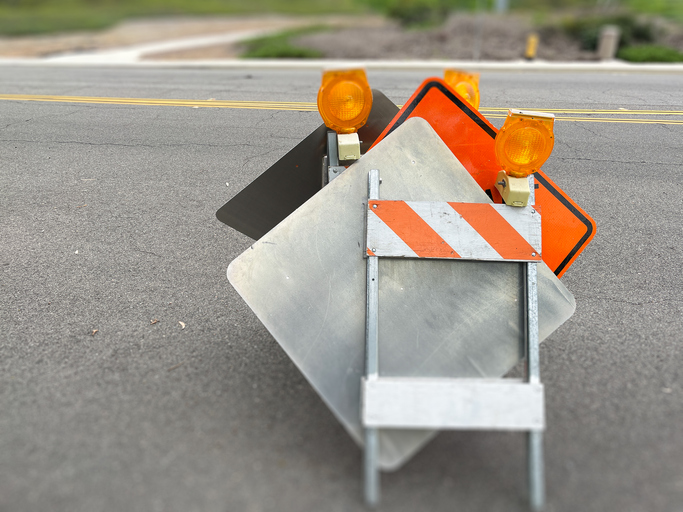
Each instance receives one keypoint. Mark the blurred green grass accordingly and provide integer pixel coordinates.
(19, 17)
(650, 53)
(22, 17)
(279, 46)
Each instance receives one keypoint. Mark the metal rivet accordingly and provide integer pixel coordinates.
(533, 254)
(374, 206)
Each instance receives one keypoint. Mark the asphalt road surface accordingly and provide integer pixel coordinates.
(108, 241)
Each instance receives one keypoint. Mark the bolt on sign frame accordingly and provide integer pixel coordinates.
(451, 231)
(567, 229)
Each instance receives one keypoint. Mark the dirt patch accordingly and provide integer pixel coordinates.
(231, 51)
(144, 31)
(140, 32)
(461, 37)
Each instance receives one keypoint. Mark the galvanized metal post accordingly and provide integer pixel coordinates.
(534, 438)
(371, 450)
(502, 6)
(536, 470)
(334, 170)
(476, 54)
(332, 149)
(533, 370)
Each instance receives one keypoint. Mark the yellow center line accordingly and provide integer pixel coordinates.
(262, 105)
(607, 120)
(593, 111)
(300, 106)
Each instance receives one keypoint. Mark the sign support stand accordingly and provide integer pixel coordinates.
(372, 478)
(535, 468)
(332, 167)
(533, 371)
(496, 404)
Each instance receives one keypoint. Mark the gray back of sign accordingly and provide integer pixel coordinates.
(296, 177)
(305, 280)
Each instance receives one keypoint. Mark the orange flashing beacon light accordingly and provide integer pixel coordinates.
(465, 84)
(524, 142)
(344, 100)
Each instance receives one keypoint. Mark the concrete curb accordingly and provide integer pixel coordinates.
(520, 66)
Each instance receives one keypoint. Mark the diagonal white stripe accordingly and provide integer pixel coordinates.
(528, 225)
(455, 230)
(383, 241)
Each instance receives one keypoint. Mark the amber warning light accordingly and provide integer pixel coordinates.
(524, 142)
(345, 100)
(465, 84)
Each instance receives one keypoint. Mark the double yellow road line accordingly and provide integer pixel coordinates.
(257, 105)
(595, 115)
(577, 115)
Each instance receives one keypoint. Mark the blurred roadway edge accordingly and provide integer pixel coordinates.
(113, 58)
(133, 55)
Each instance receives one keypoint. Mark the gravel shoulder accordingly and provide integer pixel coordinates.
(461, 37)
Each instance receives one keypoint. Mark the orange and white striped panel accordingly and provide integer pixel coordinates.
(478, 231)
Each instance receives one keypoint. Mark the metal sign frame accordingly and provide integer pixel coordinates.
(465, 404)
(306, 281)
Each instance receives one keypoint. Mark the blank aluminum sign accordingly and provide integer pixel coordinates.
(306, 281)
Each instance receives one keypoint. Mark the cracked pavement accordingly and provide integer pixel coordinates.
(107, 222)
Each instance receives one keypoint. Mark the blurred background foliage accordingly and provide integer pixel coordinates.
(40, 16)
(20, 17)
(580, 19)
(586, 29)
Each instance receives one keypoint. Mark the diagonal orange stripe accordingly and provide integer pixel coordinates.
(410, 228)
(496, 231)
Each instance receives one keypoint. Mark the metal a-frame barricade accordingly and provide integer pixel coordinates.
(455, 404)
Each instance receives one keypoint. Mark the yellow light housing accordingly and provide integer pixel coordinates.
(524, 142)
(344, 100)
(465, 84)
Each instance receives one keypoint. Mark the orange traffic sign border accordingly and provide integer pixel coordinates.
(542, 180)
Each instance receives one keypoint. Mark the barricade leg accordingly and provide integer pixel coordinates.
(371, 469)
(536, 470)
(371, 451)
(533, 364)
